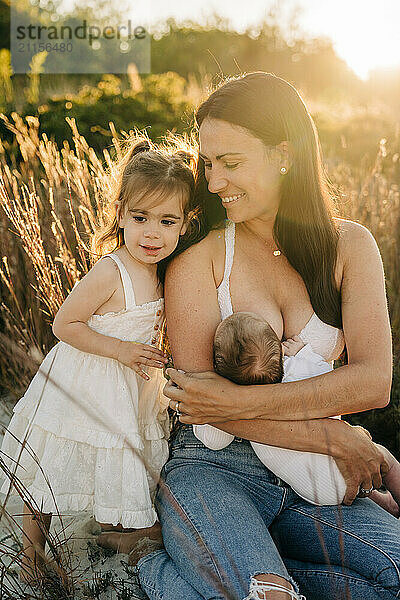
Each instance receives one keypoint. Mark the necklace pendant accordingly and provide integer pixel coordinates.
(277, 252)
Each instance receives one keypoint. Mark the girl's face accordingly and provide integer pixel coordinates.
(151, 231)
(239, 169)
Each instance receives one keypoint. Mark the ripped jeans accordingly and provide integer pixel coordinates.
(225, 518)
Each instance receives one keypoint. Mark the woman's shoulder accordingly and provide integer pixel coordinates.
(352, 235)
(356, 243)
(347, 228)
(203, 254)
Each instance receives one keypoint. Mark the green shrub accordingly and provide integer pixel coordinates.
(159, 105)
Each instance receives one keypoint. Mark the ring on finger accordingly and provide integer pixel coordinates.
(366, 492)
(178, 412)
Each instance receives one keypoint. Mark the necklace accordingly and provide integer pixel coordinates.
(275, 252)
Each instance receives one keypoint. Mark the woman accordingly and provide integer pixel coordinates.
(231, 529)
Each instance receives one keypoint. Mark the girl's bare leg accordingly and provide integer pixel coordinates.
(36, 526)
(126, 540)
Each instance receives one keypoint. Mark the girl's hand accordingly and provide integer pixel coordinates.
(204, 397)
(135, 356)
(360, 461)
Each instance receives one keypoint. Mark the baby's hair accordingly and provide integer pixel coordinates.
(146, 175)
(247, 350)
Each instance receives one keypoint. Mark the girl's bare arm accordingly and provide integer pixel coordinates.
(70, 323)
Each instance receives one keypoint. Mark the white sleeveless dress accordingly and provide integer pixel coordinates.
(94, 429)
(315, 477)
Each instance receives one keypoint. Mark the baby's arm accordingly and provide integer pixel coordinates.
(301, 362)
(70, 323)
(292, 346)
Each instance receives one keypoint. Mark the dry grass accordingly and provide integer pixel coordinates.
(372, 197)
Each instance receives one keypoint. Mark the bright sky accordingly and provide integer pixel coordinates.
(365, 33)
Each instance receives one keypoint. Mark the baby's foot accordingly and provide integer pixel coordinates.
(386, 501)
(124, 543)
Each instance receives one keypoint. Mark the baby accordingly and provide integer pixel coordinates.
(247, 351)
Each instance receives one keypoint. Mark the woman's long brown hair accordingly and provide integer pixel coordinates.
(304, 229)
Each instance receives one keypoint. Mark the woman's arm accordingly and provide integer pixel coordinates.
(361, 385)
(360, 460)
(365, 382)
(70, 326)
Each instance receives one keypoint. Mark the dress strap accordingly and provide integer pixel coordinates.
(129, 294)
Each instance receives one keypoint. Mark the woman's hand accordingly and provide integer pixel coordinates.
(204, 397)
(135, 356)
(360, 461)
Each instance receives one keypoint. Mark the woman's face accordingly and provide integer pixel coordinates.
(240, 170)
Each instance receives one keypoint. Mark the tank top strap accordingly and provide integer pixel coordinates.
(129, 294)
(223, 290)
(229, 249)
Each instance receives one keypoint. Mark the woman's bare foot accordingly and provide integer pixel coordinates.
(125, 542)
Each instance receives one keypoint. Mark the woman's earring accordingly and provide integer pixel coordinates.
(283, 170)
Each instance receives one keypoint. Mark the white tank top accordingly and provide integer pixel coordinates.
(325, 340)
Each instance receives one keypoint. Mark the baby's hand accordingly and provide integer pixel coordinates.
(135, 356)
(292, 346)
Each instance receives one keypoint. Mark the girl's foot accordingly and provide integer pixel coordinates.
(108, 527)
(125, 542)
(35, 575)
(32, 572)
(30, 577)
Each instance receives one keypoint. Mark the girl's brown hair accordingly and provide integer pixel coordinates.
(304, 230)
(149, 173)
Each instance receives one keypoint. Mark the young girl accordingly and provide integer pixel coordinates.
(95, 430)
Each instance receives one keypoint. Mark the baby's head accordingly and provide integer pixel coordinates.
(151, 201)
(247, 350)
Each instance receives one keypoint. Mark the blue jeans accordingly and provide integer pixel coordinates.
(225, 518)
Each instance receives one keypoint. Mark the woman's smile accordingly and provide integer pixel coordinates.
(230, 199)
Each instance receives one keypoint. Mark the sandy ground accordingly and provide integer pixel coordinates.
(99, 574)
